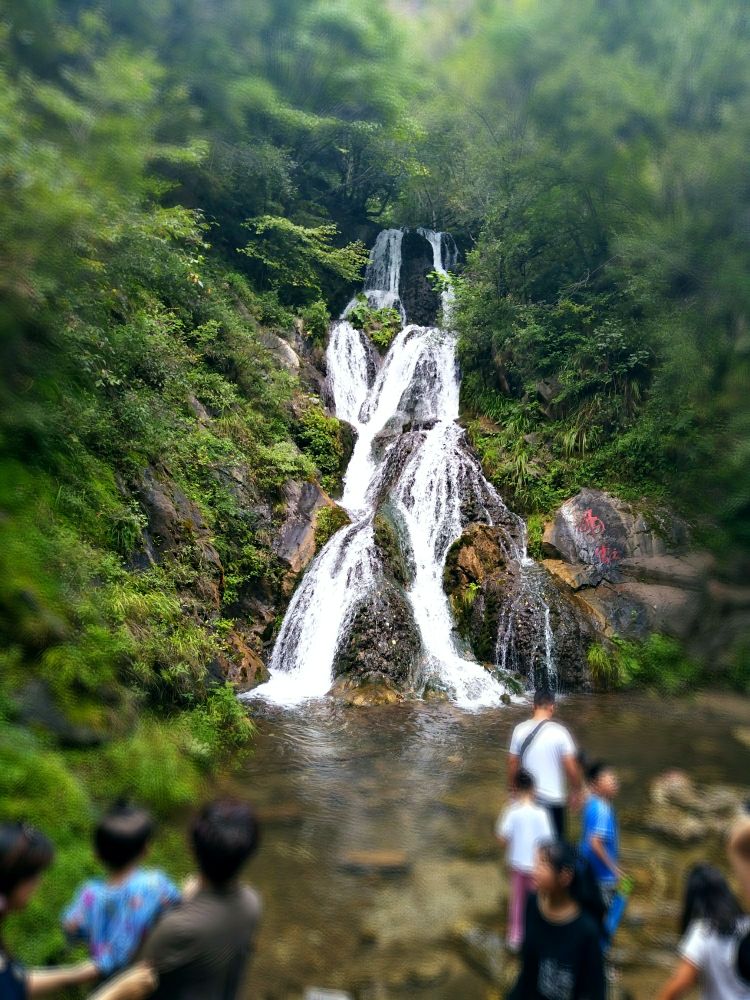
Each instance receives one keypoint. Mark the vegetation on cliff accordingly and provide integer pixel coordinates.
(187, 190)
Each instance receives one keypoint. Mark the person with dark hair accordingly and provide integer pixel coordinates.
(712, 927)
(200, 949)
(600, 838)
(25, 854)
(547, 751)
(113, 915)
(738, 849)
(521, 828)
(561, 958)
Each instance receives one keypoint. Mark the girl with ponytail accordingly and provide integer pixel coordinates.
(562, 953)
(25, 854)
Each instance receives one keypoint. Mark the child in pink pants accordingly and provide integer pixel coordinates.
(521, 828)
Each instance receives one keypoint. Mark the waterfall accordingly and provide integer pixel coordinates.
(525, 635)
(411, 451)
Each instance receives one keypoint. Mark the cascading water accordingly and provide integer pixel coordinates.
(410, 448)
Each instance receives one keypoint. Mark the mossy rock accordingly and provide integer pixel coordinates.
(383, 641)
(328, 521)
(390, 543)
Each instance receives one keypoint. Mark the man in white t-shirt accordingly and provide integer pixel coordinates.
(546, 750)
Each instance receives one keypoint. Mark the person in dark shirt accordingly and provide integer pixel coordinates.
(25, 854)
(200, 949)
(562, 955)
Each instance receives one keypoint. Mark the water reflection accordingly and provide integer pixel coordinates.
(347, 795)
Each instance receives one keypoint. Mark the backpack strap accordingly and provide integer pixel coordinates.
(530, 739)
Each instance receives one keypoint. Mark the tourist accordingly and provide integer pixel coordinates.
(561, 958)
(201, 948)
(546, 749)
(739, 856)
(712, 925)
(112, 915)
(600, 840)
(25, 854)
(521, 828)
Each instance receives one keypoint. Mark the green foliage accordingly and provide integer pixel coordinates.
(658, 662)
(534, 535)
(462, 603)
(591, 158)
(322, 439)
(328, 521)
(292, 257)
(317, 319)
(381, 325)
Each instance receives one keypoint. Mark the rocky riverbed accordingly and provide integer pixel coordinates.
(379, 869)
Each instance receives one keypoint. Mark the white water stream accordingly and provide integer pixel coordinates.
(415, 392)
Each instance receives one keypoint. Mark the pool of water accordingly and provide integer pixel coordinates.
(378, 866)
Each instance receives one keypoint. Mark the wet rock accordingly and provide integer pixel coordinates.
(391, 542)
(684, 812)
(316, 993)
(634, 610)
(417, 296)
(366, 692)
(503, 608)
(243, 665)
(384, 862)
(572, 576)
(295, 541)
(383, 642)
(484, 950)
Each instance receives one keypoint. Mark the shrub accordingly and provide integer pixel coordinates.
(328, 521)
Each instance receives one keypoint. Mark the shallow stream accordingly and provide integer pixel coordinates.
(379, 868)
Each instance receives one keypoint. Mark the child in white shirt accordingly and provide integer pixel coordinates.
(521, 828)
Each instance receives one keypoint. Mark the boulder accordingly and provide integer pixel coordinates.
(634, 610)
(283, 352)
(512, 613)
(684, 812)
(294, 543)
(383, 642)
(242, 665)
(600, 530)
(391, 543)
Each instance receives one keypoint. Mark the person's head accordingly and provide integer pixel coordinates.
(225, 836)
(602, 779)
(709, 898)
(524, 783)
(24, 855)
(560, 871)
(544, 701)
(122, 836)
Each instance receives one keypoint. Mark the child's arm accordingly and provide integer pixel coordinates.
(597, 846)
(685, 977)
(138, 982)
(40, 982)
